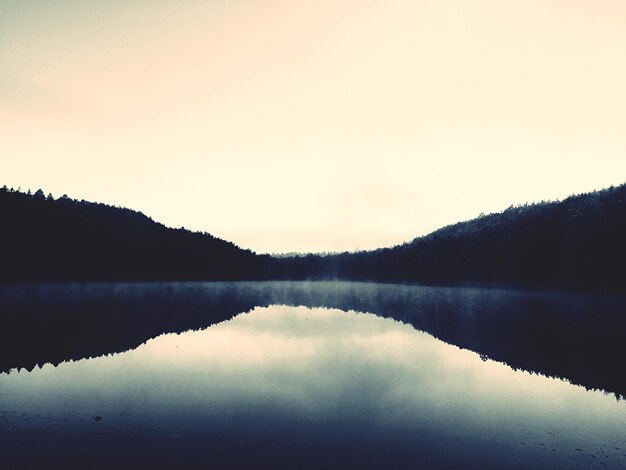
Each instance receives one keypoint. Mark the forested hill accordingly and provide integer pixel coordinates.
(64, 239)
(578, 243)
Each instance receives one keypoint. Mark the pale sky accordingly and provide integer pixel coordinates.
(313, 125)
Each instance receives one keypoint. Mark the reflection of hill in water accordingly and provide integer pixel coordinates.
(573, 336)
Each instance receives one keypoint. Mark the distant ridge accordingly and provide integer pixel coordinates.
(578, 243)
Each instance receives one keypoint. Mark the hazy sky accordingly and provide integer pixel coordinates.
(313, 125)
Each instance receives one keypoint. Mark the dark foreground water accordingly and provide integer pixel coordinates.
(211, 375)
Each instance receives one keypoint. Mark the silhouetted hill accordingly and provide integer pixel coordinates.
(578, 243)
(64, 239)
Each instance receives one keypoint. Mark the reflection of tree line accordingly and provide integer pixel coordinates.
(59, 322)
(575, 336)
(576, 243)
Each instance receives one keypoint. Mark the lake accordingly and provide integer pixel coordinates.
(309, 375)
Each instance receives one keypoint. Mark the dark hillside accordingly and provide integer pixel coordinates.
(64, 239)
(578, 243)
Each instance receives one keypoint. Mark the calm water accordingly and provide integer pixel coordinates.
(266, 375)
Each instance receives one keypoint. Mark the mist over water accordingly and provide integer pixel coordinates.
(314, 374)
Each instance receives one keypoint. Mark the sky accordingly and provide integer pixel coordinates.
(296, 126)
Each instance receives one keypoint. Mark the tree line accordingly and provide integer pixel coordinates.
(577, 243)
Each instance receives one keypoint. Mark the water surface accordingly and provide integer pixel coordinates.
(312, 387)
